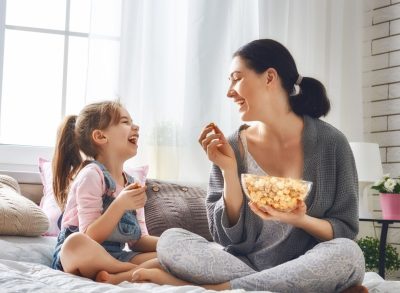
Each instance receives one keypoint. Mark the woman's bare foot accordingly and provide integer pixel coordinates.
(157, 276)
(161, 277)
(356, 289)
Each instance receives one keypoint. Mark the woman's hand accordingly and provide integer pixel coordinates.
(269, 213)
(132, 197)
(319, 228)
(217, 148)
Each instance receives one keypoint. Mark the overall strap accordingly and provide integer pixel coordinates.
(110, 184)
(129, 178)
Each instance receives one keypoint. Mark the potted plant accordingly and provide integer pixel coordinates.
(389, 189)
(370, 248)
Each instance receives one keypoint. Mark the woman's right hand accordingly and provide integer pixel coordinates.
(217, 148)
(132, 197)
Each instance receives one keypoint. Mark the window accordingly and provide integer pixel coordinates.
(46, 47)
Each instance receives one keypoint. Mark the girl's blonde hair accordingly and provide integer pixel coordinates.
(75, 136)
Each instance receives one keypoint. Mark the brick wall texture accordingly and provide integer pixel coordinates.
(381, 94)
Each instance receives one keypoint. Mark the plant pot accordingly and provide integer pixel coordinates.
(390, 205)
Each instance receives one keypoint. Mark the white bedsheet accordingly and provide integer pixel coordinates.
(24, 267)
(29, 277)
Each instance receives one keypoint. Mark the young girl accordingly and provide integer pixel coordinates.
(102, 205)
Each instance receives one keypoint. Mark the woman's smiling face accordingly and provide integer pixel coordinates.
(247, 89)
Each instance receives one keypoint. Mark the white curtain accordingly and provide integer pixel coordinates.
(325, 38)
(174, 59)
(174, 69)
(103, 51)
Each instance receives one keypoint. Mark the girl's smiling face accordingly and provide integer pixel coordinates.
(123, 136)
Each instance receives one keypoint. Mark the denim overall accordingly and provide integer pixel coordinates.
(127, 229)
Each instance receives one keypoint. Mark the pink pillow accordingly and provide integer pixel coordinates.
(138, 173)
(48, 202)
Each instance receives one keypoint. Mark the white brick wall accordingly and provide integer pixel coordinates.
(381, 90)
(393, 154)
(394, 121)
(376, 93)
(394, 58)
(394, 88)
(381, 78)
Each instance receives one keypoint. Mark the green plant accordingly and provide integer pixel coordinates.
(387, 184)
(370, 248)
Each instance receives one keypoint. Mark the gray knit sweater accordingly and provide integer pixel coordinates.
(329, 164)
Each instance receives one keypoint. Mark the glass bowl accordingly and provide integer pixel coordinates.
(282, 194)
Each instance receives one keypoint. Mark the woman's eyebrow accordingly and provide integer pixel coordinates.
(231, 75)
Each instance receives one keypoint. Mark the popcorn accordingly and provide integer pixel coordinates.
(280, 193)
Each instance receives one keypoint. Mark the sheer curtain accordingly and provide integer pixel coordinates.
(174, 68)
(325, 38)
(174, 59)
(103, 51)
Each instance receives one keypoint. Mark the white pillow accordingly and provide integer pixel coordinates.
(18, 214)
(30, 249)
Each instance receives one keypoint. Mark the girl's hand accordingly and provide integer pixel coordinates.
(132, 197)
(269, 213)
(217, 148)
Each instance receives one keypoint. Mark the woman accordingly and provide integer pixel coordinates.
(306, 250)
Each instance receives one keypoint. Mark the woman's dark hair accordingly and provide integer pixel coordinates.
(75, 136)
(259, 55)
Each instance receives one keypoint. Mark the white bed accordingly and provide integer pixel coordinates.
(24, 267)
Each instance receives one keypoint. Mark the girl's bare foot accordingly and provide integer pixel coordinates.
(102, 277)
(106, 277)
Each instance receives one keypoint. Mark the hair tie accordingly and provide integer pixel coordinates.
(296, 87)
(299, 79)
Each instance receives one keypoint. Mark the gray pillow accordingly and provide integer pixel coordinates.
(171, 205)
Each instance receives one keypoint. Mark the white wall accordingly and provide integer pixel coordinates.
(381, 94)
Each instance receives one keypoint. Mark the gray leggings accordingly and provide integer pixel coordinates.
(330, 266)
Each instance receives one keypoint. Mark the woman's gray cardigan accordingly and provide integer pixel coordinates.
(328, 164)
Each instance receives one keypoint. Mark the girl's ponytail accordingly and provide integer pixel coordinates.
(66, 160)
(312, 99)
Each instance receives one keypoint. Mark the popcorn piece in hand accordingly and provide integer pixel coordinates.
(212, 125)
(280, 193)
(136, 185)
